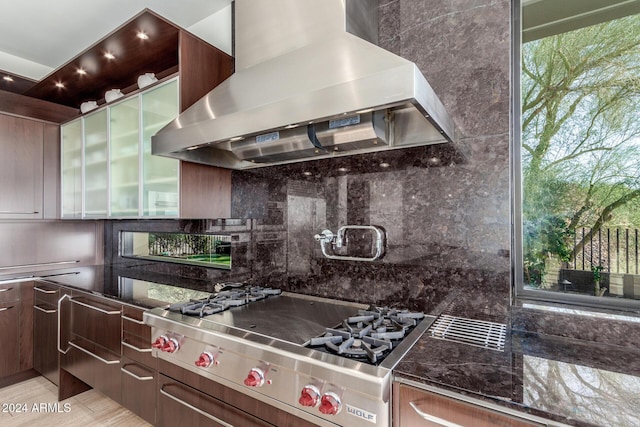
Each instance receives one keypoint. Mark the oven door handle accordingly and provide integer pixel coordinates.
(193, 408)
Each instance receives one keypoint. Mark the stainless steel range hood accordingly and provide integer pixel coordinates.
(310, 83)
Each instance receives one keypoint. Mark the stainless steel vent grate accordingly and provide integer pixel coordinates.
(469, 331)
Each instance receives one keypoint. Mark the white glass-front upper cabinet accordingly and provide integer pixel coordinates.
(159, 174)
(71, 149)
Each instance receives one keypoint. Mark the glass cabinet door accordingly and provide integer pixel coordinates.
(72, 169)
(160, 174)
(96, 181)
(124, 157)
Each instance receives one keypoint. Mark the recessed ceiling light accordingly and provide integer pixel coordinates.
(8, 78)
(109, 55)
(81, 71)
(60, 85)
(307, 173)
(142, 36)
(384, 165)
(343, 170)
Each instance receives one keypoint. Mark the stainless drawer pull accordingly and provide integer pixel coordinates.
(108, 362)
(134, 375)
(59, 321)
(6, 308)
(44, 310)
(131, 319)
(5, 289)
(75, 301)
(44, 291)
(138, 349)
(432, 418)
(193, 408)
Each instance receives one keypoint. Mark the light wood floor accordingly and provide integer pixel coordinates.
(38, 397)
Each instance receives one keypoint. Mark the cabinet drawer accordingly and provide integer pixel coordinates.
(95, 366)
(46, 293)
(177, 401)
(132, 323)
(95, 321)
(138, 349)
(422, 408)
(139, 385)
(9, 292)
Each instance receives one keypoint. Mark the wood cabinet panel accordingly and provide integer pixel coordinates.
(139, 385)
(26, 325)
(21, 167)
(97, 322)
(94, 366)
(9, 292)
(417, 408)
(205, 191)
(177, 401)
(9, 331)
(45, 337)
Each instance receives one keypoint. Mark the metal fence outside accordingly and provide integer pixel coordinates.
(615, 249)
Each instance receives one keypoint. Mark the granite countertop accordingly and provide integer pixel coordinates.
(129, 284)
(573, 381)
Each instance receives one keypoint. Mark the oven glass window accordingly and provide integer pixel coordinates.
(207, 250)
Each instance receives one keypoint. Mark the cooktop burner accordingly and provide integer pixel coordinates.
(233, 295)
(370, 335)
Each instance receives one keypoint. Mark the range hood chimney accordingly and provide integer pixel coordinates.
(310, 83)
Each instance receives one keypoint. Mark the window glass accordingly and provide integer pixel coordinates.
(579, 150)
(207, 250)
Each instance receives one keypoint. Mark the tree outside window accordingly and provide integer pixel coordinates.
(580, 159)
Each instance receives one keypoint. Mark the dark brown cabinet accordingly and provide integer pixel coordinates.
(139, 368)
(417, 407)
(9, 327)
(16, 329)
(177, 401)
(45, 330)
(90, 352)
(29, 165)
(21, 163)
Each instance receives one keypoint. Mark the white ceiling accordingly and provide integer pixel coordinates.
(38, 36)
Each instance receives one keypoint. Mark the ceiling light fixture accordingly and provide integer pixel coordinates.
(81, 71)
(8, 78)
(60, 85)
(384, 165)
(109, 55)
(142, 35)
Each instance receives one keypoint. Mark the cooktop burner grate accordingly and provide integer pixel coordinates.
(370, 335)
(479, 333)
(223, 300)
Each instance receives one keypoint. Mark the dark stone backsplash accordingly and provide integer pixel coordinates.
(445, 207)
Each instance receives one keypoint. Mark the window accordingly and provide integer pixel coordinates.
(206, 250)
(577, 155)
